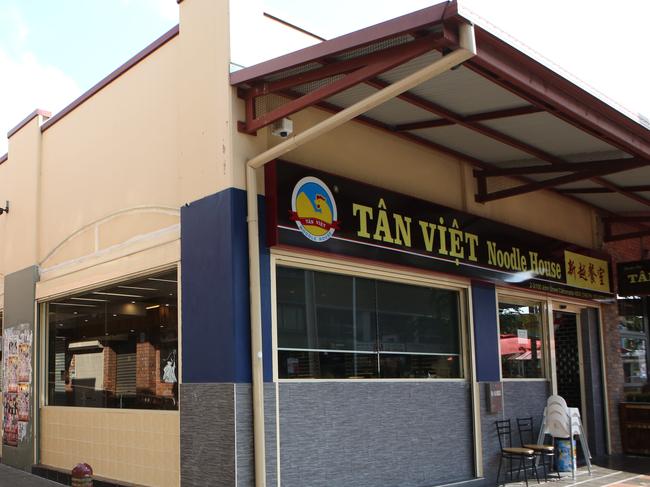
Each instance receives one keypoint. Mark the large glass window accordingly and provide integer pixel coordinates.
(115, 346)
(333, 326)
(521, 339)
(632, 325)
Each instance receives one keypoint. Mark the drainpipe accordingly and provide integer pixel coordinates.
(466, 50)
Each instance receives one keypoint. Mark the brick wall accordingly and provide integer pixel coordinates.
(621, 251)
(110, 369)
(145, 378)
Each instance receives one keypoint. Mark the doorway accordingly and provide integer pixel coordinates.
(568, 358)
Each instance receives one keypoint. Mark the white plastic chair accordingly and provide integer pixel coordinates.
(561, 421)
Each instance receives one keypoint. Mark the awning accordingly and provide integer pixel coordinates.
(503, 111)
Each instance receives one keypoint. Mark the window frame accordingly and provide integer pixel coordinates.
(42, 307)
(644, 335)
(397, 275)
(525, 300)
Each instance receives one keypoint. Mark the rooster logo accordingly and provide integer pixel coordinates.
(313, 209)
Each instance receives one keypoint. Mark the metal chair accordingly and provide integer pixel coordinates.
(542, 451)
(510, 453)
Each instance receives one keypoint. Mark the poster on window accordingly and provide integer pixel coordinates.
(17, 383)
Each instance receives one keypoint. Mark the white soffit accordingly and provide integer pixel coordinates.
(394, 111)
(470, 143)
(631, 177)
(465, 93)
(550, 134)
(614, 202)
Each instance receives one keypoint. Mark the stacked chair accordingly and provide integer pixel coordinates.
(561, 421)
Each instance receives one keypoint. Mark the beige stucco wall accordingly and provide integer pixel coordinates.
(374, 156)
(135, 446)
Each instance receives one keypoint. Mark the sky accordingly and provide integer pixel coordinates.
(51, 52)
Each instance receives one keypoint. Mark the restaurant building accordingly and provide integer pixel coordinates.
(336, 267)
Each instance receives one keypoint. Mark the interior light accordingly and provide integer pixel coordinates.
(91, 299)
(114, 315)
(118, 294)
(167, 304)
(132, 331)
(162, 280)
(76, 305)
(138, 288)
(153, 306)
(132, 302)
(162, 326)
(86, 321)
(75, 313)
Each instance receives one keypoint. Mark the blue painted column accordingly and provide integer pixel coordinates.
(215, 393)
(486, 332)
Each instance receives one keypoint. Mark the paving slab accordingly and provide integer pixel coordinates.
(12, 477)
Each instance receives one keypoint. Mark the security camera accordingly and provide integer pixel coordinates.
(282, 128)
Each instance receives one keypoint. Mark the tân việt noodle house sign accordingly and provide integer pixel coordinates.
(320, 211)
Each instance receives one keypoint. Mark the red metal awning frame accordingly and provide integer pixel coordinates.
(497, 61)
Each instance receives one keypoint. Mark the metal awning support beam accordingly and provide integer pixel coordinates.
(354, 71)
(627, 219)
(498, 136)
(477, 117)
(610, 165)
(631, 189)
(466, 50)
(483, 195)
(609, 237)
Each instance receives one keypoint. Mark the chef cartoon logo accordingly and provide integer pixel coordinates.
(313, 209)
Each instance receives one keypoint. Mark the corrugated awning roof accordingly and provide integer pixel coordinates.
(502, 111)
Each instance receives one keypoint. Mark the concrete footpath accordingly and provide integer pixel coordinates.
(12, 477)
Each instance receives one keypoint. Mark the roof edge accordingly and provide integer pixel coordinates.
(409, 22)
(520, 72)
(140, 56)
(560, 77)
(4, 158)
(28, 119)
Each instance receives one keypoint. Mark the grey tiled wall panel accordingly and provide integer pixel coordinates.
(360, 434)
(207, 435)
(521, 399)
(245, 452)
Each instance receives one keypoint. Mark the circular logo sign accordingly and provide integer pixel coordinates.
(313, 209)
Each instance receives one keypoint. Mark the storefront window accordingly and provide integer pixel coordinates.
(521, 339)
(115, 346)
(633, 329)
(333, 326)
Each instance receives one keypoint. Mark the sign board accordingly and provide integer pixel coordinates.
(327, 213)
(494, 397)
(633, 278)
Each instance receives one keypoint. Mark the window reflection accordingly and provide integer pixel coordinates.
(336, 326)
(116, 346)
(633, 329)
(521, 340)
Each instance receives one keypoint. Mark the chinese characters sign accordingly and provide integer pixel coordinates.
(319, 211)
(586, 272)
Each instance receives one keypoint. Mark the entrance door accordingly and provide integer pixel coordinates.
(567, 358)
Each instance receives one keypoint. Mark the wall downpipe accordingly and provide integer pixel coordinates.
(466, 51)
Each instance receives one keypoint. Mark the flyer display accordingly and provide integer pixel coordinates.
(17, 363)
